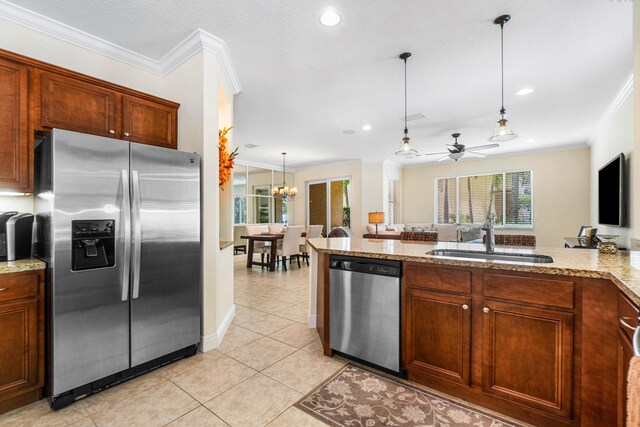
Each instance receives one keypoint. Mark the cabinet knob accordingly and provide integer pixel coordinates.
(486, 309)
(111, 131)
(126, 134)
(465, 307)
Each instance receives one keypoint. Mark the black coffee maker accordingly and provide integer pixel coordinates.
(4, 217)
(19, 236)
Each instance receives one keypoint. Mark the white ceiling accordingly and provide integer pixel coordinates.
(303, 84)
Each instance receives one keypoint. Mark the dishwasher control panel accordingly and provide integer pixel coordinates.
(366, 265)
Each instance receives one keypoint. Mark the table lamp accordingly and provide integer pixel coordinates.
(376, 218)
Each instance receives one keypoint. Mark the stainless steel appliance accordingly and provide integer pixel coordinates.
(119, 227)
(19, 236)
(364, 304)
(4, 217)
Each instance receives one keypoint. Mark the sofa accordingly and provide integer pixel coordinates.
(446, 232)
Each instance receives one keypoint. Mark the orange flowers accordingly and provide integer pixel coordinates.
(225, 158)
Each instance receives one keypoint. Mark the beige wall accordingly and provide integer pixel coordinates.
(614, 138)
(561, 193)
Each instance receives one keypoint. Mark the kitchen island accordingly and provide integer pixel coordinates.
(545, 343)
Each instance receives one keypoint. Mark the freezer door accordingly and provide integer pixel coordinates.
(90, 307)
(165, 300)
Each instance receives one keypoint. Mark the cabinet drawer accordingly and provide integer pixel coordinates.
(438, 278)
(20, 285)
(627, 316)
(556, 293)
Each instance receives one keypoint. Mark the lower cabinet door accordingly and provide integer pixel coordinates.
(625, 353)
(18, 347)
(528, 356)
(437, 336)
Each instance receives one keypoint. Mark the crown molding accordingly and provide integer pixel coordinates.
(192, 44)
(623, 93)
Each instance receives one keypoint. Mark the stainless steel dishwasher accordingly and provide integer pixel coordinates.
(364, 304)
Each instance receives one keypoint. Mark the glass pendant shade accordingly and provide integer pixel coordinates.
(503, 131)
(406, 150)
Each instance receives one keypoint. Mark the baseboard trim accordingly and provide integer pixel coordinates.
(313, 321)
(211, 342)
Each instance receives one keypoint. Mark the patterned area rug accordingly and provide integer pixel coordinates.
(354, 397)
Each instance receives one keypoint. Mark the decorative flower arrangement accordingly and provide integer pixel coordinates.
(226, 159)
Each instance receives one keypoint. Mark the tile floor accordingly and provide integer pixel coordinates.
(268, 360)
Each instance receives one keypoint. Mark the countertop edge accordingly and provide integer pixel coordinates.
(31, 264)
(224, 244)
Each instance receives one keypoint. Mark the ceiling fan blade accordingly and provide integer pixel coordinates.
(484, 147)
(430, 154)
(444, 158)
(476, 153)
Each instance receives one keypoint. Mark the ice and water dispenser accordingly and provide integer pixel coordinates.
(93, 244)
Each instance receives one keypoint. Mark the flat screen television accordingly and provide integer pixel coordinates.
(611, 193)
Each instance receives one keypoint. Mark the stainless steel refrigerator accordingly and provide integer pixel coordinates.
(118, 224)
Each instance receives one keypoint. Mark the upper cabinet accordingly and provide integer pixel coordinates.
(38, 96)
(149, 122)
(15, 146)
(71, 104)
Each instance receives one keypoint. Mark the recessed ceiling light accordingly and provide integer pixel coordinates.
(366, 127)
(531, 140)
(250, 146)
(524, 91)
(348, 131)
(330, 18)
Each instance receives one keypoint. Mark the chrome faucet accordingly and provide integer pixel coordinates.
(487, 227)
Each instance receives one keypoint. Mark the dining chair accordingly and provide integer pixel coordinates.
(313, 231)
(289, 246)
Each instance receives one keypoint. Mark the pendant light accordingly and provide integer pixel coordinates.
(284, 193)
(406, 150)
(502, 131)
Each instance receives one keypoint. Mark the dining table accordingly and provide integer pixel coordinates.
(272, 238)
(263, 237)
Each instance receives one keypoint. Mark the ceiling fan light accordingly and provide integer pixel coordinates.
(406, 150)
(456, 156)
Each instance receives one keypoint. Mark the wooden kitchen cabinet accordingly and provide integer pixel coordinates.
(78, 106)
(149, 122)
(15, 146)
(437, 334)
(627, 324)
(528, 355)
(36, 96)
(22, 338)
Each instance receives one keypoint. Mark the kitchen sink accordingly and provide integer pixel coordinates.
(496, 256)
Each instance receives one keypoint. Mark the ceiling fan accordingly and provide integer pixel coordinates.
(456, 150)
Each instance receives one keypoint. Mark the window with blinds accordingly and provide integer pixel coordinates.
(504, 197)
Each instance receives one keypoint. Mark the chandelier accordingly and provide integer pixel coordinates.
(284, 193)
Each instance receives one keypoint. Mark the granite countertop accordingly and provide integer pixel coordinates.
(28, 264)
(225, 244)
(622, 268)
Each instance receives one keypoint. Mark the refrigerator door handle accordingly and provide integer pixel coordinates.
(126, 210)
(137, 234)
